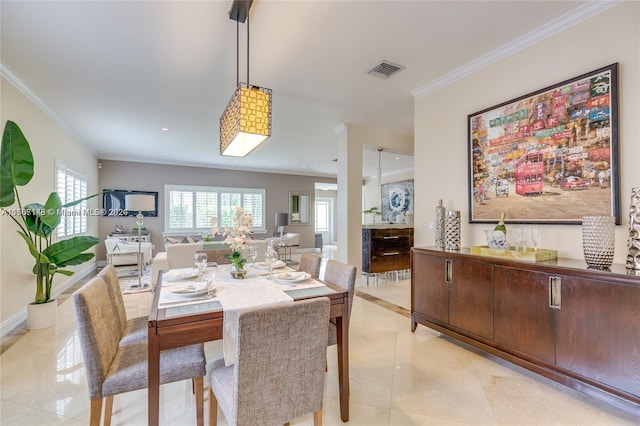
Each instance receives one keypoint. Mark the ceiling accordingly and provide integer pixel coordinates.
(114, 73)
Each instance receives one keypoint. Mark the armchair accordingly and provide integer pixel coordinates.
(289, 239)
(125, 253)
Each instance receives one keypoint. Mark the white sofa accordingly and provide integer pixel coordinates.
(121, 252)
(181, 255)
(289, 239)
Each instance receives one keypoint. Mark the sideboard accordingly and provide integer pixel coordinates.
(386, 248)
(577, 326)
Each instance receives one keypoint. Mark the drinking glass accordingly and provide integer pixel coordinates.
(200, 259)
(535, 238)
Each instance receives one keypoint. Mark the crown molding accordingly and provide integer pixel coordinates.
(558, 25)
(7, 73)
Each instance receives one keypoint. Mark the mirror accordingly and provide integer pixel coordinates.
(299, 208)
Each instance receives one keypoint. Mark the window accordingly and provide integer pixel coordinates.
(323, 214)
(192, 208)
(71, 186)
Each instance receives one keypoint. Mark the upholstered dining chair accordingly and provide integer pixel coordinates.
(343, 276)
(310, 263)
(278, 373)
(112, 368)
(131, 330)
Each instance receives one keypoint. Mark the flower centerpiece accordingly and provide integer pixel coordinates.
(237, 237)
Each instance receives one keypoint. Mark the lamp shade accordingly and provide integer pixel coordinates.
(282, 219)
(139, 202)
(246, 122)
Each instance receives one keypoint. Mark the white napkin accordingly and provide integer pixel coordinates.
(237, 297)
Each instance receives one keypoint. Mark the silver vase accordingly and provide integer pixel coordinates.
(452, 230)
(598, 240)
(439, 225)
(633, 243)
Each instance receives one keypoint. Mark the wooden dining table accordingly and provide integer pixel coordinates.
(177, 326)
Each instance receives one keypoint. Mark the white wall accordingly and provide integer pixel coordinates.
(441, 127)
(49, 143)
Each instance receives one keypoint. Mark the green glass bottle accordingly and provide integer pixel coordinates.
(500, 226)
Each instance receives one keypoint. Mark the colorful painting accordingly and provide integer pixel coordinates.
(397, 201)
(550, 156)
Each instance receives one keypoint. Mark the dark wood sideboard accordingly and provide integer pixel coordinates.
(573, 325)
(386, 248)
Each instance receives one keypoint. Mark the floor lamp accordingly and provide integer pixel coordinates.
(139, 203)
(282, 220)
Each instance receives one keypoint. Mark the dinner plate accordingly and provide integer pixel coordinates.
(290, 277)
(180, 274)
(265, 265)
(190, 290)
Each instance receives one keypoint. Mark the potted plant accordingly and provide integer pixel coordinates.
(373, 211)
(36, 222)
(238, 237)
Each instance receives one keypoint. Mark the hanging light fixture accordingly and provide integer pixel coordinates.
(246, 122)
(379, 167)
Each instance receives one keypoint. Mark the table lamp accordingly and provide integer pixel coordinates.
(282, 220)
(139, 203)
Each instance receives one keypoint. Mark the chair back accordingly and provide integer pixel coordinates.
(280, 362)
(110, 277)
(98, 333)
(310, 263)
(341, 275)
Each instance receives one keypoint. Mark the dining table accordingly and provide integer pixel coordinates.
(177, 320)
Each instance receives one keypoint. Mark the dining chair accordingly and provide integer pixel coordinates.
(310, 263)
(344, 276)
(131, 330)
(278, 373)
(112, 368)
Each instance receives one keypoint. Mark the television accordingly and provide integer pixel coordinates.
(113, 203)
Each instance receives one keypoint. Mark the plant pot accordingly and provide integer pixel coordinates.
(42, 315)
(238, 273)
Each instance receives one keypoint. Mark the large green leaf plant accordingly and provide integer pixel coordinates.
(37, 222)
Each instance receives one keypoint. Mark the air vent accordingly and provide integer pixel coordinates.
(385, 69)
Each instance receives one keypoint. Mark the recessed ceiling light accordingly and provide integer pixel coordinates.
(397, 158)
(303, 166)
(165, 129)
(164, 153)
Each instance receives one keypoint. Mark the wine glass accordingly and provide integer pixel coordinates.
(517, 237)
(200, 259)
(212, 273)
(535, 238)
(253, 253)
(271, 257)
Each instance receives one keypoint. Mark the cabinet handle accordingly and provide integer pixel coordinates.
(391, 253)
(390, 238)
(555, 292)
(448, 271)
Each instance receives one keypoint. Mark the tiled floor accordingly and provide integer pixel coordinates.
(397, 378)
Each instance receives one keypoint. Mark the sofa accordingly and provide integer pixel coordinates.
(289, 239)
(180, 255)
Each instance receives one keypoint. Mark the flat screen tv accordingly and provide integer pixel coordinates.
(113, 203)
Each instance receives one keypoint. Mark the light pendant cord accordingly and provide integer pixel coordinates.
(248, 46)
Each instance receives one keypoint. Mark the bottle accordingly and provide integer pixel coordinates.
(500, 226)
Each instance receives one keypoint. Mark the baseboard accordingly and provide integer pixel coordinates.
(19, 317)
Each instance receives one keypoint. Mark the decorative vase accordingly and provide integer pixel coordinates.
(439, 225)
(238, 272)
(633, 243)
(598, 240)
(452, 230)
(42, 315)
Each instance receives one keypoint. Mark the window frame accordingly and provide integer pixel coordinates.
(78, 219)
(194, 189)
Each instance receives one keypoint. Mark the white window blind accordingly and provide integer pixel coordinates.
(192, 208)
(71, 186)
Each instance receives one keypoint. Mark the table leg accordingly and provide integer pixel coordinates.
(342, 328)
(154, 377)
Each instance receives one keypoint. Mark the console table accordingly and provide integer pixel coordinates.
(573, 325)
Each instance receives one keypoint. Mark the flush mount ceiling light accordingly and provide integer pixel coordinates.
(246, 122)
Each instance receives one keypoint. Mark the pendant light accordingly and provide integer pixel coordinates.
(246, 121)
(379, 167)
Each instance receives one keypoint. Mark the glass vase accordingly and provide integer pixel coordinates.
(598, 240)
(238, 272)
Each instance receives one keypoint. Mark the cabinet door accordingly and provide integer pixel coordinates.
(471, 297)
(523, 320)
(598, 332)
(430, 292)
